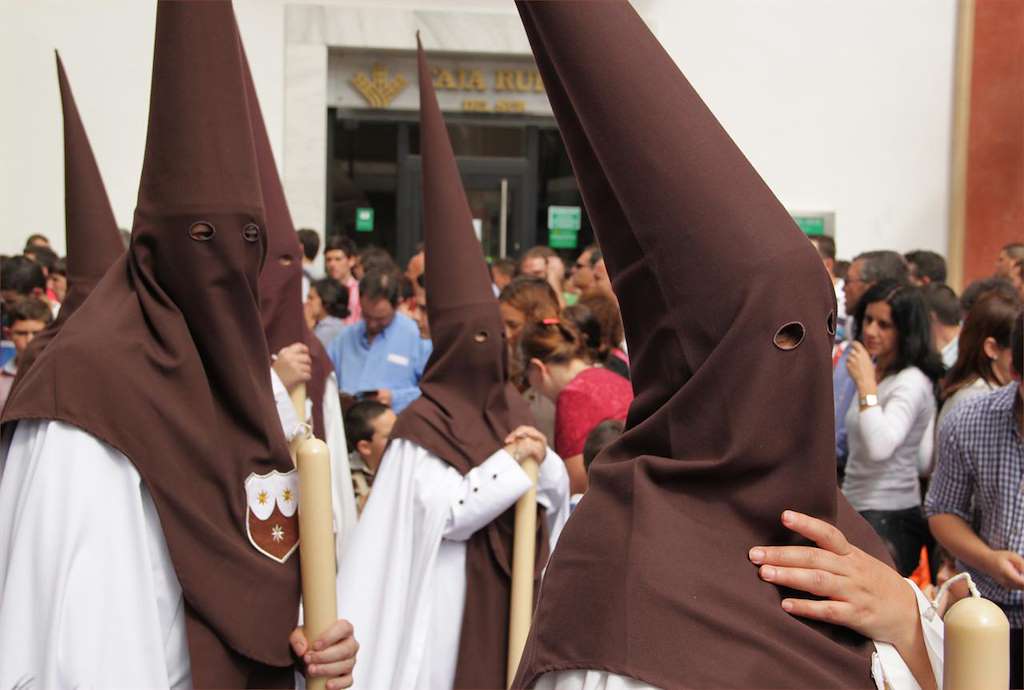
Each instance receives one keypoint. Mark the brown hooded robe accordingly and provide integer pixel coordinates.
(167, 361)
(468, 407)
(651, 578)
(91, 234)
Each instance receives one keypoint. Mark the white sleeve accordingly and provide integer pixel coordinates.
(485, 492)
(343, 499)
(883, 428)
(553, 494)
(887, 666)
(290, 423)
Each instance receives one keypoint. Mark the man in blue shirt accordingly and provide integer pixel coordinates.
(382, 356)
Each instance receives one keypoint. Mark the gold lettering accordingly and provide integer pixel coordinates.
(524, 80)
(475, 106)
(538, 83)
(444, 81)
(476, 81)
(510, 106)
(504, 80)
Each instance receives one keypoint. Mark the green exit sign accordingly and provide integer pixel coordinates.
(816, 223)
(364, 220)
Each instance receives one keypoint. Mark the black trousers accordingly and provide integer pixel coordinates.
(904, 532)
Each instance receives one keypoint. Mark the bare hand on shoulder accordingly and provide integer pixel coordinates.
(332, 656)
(860, 592)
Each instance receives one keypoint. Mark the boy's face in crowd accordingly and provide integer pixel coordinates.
(59, 284)
(373, 450)
(338, 265)
(22, 332)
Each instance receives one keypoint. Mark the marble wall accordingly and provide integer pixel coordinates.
(312, 31)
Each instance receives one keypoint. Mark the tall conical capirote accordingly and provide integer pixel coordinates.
(284, 322)
(729, 319)
(90, 231)
(167, 361)
(468, 407)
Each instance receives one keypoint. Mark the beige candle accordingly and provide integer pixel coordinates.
(977, 646)
(298, 396)
(316, 543)
(524, 555)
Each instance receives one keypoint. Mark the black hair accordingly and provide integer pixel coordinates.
(310, 241)
(927, 264)
(943, 302)
(341, 243)
(914, 346)
(599, 437)
(380, 283)
(22, 275)
(973, 292)
(359, 420)
(44, 256)
(60, 268)
(334, 296)
(30, 309)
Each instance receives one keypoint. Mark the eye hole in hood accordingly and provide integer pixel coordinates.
(789, 336)
(202, 231)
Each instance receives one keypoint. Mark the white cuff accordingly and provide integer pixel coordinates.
(887, 666)
(290, 423)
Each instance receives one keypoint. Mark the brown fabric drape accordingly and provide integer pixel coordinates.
(90, 231)
(281, 279)
(651, 578)
(468, 406)
(167, 361)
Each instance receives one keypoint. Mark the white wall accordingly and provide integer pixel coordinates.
(841, 106)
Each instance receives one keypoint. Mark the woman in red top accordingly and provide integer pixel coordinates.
(584, 394)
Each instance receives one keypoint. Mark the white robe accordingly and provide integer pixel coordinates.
(402, 581)
(88, 594)
(888, 669)
(343, 498)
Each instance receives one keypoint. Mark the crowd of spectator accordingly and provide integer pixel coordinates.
(927, 401)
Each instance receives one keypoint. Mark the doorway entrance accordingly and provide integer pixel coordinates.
(512, 169)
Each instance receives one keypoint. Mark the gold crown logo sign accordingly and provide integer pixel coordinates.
(378, 89)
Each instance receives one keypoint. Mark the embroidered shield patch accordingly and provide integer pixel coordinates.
(271, 520)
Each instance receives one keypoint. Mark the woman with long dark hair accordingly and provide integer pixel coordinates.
(895, 367)
(983, 363)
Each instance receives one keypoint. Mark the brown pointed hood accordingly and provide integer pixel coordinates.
(730, 425)
(468, 406)
(90, 231)
(467, 403)
(284, 322)
(167, 361)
